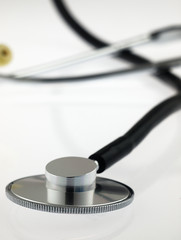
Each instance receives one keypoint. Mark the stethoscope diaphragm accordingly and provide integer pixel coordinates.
(74, 190)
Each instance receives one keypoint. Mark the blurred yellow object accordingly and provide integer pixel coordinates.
(5, 55)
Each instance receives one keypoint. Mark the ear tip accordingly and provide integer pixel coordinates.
(5, 55)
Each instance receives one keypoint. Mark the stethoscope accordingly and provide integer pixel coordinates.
(70, 184)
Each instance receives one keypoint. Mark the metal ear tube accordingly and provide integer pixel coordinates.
(163, 33)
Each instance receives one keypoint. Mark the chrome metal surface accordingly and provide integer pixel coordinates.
(71, 172)
(167, 34)
(70, 180)
(70, 186)
(83, 57)
(32, 192)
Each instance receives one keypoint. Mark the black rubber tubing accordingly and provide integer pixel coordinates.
(119, 148)
(122, 146)
(163, 74)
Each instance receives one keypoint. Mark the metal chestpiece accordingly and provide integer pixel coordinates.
(70, 185)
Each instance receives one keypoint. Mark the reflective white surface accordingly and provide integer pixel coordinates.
(39, 123)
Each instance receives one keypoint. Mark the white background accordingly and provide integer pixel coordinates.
(41, 122)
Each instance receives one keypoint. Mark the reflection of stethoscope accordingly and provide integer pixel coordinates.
(70, 184)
